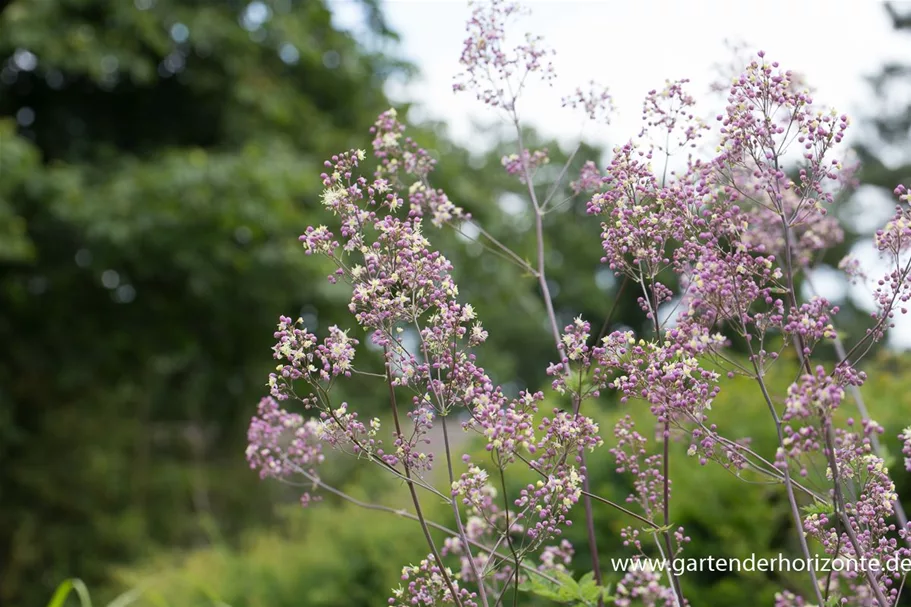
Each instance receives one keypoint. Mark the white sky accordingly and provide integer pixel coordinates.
(633, 46)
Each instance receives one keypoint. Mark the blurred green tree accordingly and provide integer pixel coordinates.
(157, 160)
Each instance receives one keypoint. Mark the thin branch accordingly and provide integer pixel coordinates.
(864, 414)
(539, 237)
(610, 315)
(414, 495)
(840, 512)
(788, 483)
(315, 481)
(512, 548)
(559, 180)
(504, 252)
(458, 517)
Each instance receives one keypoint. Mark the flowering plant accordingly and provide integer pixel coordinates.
(721, 243)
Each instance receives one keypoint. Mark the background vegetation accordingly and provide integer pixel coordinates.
(158, 159)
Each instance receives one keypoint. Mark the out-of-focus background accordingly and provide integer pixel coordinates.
(159, 158)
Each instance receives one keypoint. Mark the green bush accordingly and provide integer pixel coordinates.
(326, 555)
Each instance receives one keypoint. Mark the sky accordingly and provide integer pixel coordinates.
(633, 46)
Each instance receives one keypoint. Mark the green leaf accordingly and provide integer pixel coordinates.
(589, 589)
(819, 508)
(657, 530)
(833, 601)
(65, 588)
(587, 580)
(540, 588)
(568, 590)
(564, 577)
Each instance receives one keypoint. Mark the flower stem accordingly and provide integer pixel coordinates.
(414, 495)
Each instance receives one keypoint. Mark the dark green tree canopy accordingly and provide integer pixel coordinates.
(158, 159)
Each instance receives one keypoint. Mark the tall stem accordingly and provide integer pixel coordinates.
(864, 415)
(542, 280)
(872, 582)
(788, 483)
(845, 519)
(512, 549)
(666, 482)
(458, 518)
(552, 318)
(414, 495)
(675, 581)
(539, 238)
(589, 512)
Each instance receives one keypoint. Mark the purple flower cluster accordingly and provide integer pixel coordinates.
(595, 101)
(643, 587)
(405, 165)
(516, 164)
(893, 290)
(868, 511)
(495, 72)
(589, 178)
(556, 557)
(668, 374)
(303, 357)
(639, 229)
(669, 112)
(281, 443)
(812, 229)
(719, 243)
(426, 585)
(631, 456)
